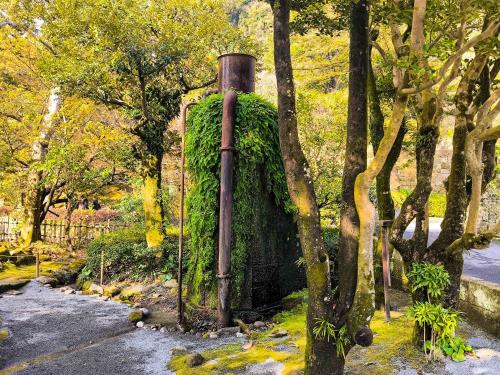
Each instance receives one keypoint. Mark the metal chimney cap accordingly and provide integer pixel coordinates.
(236, 54)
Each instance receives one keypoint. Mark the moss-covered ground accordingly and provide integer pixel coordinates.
(11, 271)
(392, 341)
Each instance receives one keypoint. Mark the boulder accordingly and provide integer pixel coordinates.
(69, 291)
(139, 324)
(94, 288)
(145, 312)
(194, 360)
(44, 280)
(11, 283)
(135, 316)
(111, 291)
(228, 331)
(133, 291)
(259, 324)
(172, 283)
(279, 333)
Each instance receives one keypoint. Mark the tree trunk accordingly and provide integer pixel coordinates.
(355, 156)
(153, 208)
(385, 203)
(320, 355)
(33, 203)
(452, 227)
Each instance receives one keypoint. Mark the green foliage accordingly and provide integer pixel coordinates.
(456, 348)
(429, 278)
(438, 323)
(325, 330)
(126, 256)
(441, 323)
(131, 206)
(258, 157)
(437, 204)
(437, 201)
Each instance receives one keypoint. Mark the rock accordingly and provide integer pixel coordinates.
(248, 345)
(259, 324)
(178, 351)
(228, 331)
(69, 291)
(78, 292)
(155, 295)
(163, 330)
(23, 260)
(103, 298)
(240, 335)
(145, 312)
(135, 316)
(4, 334)
(46, 280)
(249, 316)
(279, 333)
(111, 291)
(139, 324)
(68, 274)
(133, 291)
(213, 335)
(172, 283)
(194, 360)
(13, 292)
(136, 305)
(11, 283)
(94, 288)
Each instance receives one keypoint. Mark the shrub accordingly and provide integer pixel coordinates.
(126, 256)
(437, 204)
(437, 201)
(438, 323)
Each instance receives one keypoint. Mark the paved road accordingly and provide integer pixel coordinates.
(483, 264)
(57, 334)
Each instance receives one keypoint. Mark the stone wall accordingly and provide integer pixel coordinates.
(490, 206)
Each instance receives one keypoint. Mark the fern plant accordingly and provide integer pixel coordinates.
(325, 330)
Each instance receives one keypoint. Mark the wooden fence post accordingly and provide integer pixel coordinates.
(102, 266)
(37, 257)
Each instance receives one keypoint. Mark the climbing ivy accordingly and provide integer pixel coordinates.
(257, 161)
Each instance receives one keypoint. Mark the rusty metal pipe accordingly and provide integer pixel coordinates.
(384, 232)
(226, 211)
(180, 306)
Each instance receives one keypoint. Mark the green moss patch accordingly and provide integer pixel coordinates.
(11, 271)
(4, 334)
(392, 340)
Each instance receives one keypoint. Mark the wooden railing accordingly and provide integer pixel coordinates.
(53, 231)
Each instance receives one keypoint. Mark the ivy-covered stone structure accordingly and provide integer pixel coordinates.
(265, 245)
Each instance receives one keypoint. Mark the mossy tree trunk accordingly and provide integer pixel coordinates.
(320, 356)
(445, 249)
(153, 208)
(33, 205)
(385, 203)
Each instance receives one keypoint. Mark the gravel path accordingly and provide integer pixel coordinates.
(53, 333)
(483, 264)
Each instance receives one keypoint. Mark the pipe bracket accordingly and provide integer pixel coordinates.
(225, 276)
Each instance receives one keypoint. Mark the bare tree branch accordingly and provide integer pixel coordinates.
(488, 32)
